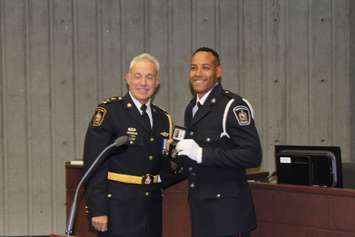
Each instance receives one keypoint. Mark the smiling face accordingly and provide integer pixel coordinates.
(142, 80)
(204, 72)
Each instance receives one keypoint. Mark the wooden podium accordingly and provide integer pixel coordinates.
(176, 214)
(81, 224)
(294, 211)
(282, 210)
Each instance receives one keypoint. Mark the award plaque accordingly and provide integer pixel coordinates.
(176, 161)
(179, 133)
(168, 147)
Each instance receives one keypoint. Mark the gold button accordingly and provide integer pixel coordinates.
(151, 157)
(152, 139)
(109, 195)
(147, 194)
(130, 142)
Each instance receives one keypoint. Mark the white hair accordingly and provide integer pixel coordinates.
(145, 56)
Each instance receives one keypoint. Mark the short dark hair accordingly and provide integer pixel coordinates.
(208, 50)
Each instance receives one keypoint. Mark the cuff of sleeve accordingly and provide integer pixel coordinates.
(199, 155)
(206, 154)
(97, 212)
(98, 208)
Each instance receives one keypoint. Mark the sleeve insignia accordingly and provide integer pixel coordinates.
(242, 115)
(164, 134)
(99, 116)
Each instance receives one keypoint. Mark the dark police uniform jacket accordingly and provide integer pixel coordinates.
(134, 210)
(220, 198)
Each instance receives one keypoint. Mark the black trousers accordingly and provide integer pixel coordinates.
(107, 234)
(245, 234)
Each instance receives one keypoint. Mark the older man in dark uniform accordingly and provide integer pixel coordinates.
(222, 142)
(124, 195)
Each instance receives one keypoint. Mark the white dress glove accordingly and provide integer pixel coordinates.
(189, 148)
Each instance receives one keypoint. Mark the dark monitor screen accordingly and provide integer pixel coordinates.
(309, 165)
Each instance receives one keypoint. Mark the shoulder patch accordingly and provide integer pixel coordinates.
(242, 114)
(99, 116)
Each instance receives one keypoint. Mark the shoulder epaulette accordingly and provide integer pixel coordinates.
(231, 94)
(111, 99)
(164, 110)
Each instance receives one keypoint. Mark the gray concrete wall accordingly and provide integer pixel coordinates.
(59, 58)
(352, 76)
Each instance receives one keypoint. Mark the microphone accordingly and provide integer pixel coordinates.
(122, 140)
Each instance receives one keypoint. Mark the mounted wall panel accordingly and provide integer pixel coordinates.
(204, 23)
(341, 79)
(133, 30)
(39, 118)
(252, 57)
(320, 81)
(180, 57)
(274, 79)
(63, 74)
(158, 42)
(351, 6)
(86, 86)
(297, 72)
(16, 117)
(229, 30)
(2, 123)
(112, 74)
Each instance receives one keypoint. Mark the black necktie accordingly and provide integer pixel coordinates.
(198, 104)
(145, 116)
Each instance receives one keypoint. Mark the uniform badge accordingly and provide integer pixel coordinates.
(99, 116)
(132, 135)
(147, 179)
(242, 115)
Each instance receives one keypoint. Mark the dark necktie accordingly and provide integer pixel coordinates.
(198, 104)
(145, 116)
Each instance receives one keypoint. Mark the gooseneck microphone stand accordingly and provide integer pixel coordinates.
(118, 142)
